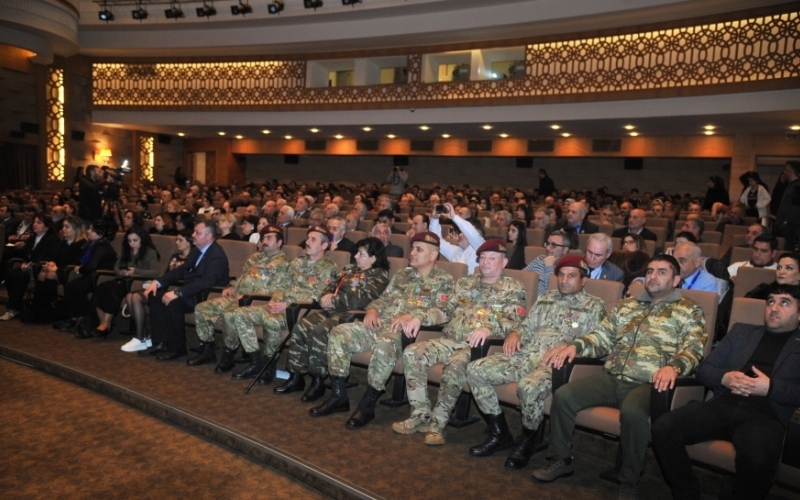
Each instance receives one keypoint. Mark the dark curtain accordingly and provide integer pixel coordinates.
(19, 164)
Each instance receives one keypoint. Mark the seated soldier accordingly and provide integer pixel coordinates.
(559, 316)
(411, 300)
(648, 341)
(305, 280)
(261, 275)
(482, 305)
(753, 373)
(359, 284)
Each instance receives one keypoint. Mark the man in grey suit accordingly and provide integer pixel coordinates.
(755, 374)
(597, 251)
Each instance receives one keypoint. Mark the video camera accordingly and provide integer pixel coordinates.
(117, 174)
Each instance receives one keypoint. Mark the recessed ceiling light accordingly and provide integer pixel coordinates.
(314, 130)
(566, 134)
(446, 136)
(487, 127)
(339, 136)
(288, 137)
(366, 129)
(795, 127)
(181, 134)
(265, 131)
(709, 127)
(391, 136)
(424, 127)
(555, 127)
(629, 127)
(503, 135)
(709, 132)
(239, 137)
(634, 134)
(221, 133)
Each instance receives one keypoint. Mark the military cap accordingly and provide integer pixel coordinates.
(426, 237)
(492, 245)
(269, 228)
(573, 261)
(321, 230)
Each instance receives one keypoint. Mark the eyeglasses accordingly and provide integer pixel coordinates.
(628, 242)
(551, 244)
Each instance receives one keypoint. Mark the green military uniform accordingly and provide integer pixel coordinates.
(638, 338)
(555, 319)
(260, 275)
(499, 307)
(304, 281)
(408, 292)
(355, 289)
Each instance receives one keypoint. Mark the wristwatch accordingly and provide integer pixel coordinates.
(177, 292)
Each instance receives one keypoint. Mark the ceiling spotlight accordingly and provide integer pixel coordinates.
(391, 136)
(487, 127)
(503, 135)
(139, 13)
(275, 7)
(206, 10)
(424, 127)
(314, 130)
(287, 137)
(174, 12)
(181, 134)
(239, 137)
(312, 4)
(350, 2)
(221, 133)
(629, 127)
(339, 136)
(566, 134)
(555, 127)
(634, 134)
(709, 127)
(446, 136)
(265, 131)
(794, 127)
(367, 129)
(242, 8)
(105, 14)
(709, 132)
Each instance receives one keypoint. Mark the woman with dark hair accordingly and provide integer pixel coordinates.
(249, 225)
(208, 205)
(139, 258)
(517, 239)
(716, 193)
(97, 253)
(142, 208)
(183, 221)
(131, 219)
(162, 225)
(756, 197)
(523, 212)
(55, 271)
(632, 258)
(134, 301)
(787, 273)
(359, 284)
(40, 247)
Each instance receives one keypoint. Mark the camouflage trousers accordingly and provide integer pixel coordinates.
(417, 358)
(350, 338)
(206, 315)
(242, 321)
(308, 347)
(534, 384)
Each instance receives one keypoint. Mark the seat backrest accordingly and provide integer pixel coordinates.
(535, 237)
(709, 250)
(653, 222)
(457, 269)
(402, 226)
(237, 252)
(117, 243)
(748, 278)
(740, 254)
(530, 280)
(295, 235)
(709, 302)
(396, 264)
(340, 258)
(292, 252)
(366, 225)
(750, 311)
(402, 241)
(712, 237)
(605, 228)
(356, 236)
(609, 291)
(532, 252)
(165, 245)
(661, 235)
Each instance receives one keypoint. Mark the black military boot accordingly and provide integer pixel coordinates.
(296, 382)
(337, 402)
(499, 437)
(257, 362)
(526, 445)
(316, 390)
(269, 374)
(365, 412)
(226, 363)
(208, 354)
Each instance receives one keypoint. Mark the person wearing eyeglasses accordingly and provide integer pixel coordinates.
(556, 246)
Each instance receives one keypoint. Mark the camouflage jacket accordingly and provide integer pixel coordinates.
(355, 288)
(409, 292)
(306, 281)
(261, 273)
(558, 319)
(499, 307)
(640, 337)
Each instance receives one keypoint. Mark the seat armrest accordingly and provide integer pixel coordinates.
(246, 300)
(293, 312)
(791, 444)
(483, 350)
(662, 402)
(562, 376)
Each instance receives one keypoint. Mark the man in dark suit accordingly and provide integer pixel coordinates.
(636, 221)
(206, 267)
(383, 233)
(336, 226)
(598, 248)
(754, 373)
(577, 219)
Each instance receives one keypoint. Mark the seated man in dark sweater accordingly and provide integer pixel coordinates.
(754, 373)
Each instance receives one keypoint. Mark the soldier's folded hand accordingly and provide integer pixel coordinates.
(372, 319)
(512, 344)
(479, 336)
(411, 327)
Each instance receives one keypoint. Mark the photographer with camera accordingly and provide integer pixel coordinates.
(467, 236)
(397, 181)
(92, 187)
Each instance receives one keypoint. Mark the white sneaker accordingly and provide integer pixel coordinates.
(9, 315)
(149, 342)
(135, 345)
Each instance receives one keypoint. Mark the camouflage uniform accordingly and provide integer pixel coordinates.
(355, 289)
(408, 292)
(259, 275)
(304, 281)
(499, 307)
(638, 337)
(555, 319)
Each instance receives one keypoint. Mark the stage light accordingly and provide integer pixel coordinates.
(206, 10)
(312, 4)
(242, 8)
(350, 2)
(105, 14)
(275, 7)
(174, 12)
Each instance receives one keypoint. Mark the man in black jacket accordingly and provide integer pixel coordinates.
(753, 372)
(636, 221)
(206, 267)
(91, 195)
(577, 219)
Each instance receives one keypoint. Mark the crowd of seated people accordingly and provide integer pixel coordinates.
(567, 238)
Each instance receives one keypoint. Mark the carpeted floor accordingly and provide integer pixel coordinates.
(384, 463)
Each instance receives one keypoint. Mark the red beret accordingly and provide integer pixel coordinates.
(269, 228)
(573, 261)
(426, 237)
(321, 230)
(492, 245)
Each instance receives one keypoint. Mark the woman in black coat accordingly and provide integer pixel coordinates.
(517, 240)
(40, 247)
(55, 271)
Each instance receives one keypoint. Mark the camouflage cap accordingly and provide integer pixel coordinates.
(269, 228)
(492, 245)
(321, 230)
(573, 261)
(426, 237)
